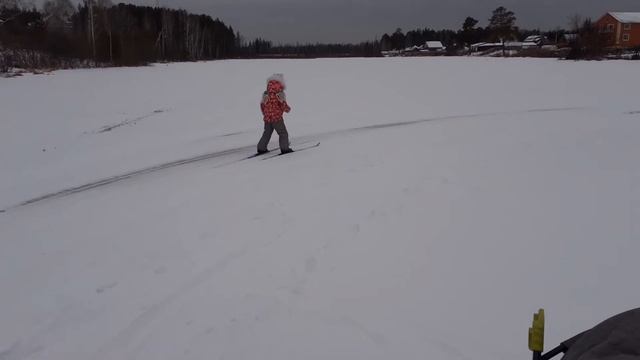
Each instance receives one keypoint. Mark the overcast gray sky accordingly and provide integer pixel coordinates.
(358, 20)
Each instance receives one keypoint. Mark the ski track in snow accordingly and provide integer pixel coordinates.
(122, 340)
(133, 121)
(244, 149)
(36, 343)
(19, 351)
(375, 338)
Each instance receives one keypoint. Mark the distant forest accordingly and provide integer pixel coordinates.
(265, 49)
(99, 33)
(501, 27)
(103, 33)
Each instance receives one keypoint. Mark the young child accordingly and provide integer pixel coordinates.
(273, 106)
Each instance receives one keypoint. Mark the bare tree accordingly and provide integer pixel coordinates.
(103, 7)
(3, 21)
(57, 13)
(575, 22)
(10, 4)
(89, 4)
(18, 4)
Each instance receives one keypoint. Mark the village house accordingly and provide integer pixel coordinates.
(622, 29)
(427, 49)
(433, 47)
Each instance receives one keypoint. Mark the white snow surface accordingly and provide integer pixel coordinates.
(490, 188)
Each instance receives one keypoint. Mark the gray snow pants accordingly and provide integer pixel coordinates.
(281, 129)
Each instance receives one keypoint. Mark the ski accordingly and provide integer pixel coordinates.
(256, 154)
(295, 151)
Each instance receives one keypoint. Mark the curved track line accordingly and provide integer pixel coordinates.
(186, 161)
(117, 178)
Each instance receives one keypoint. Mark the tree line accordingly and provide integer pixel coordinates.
(501, 27)
(99, 32)
(260, 48)
(103, 33)
(585, 40)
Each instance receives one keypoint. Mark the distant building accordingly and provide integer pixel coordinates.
(434, 46)
(539, 40)
(507, 45)
(621, 28)
(414, 48)
(485, 46)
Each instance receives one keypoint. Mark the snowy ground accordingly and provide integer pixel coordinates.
(448, 201)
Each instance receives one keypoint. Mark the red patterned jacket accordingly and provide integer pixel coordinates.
(274, 103)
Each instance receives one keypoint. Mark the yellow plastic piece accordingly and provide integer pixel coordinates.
(536, 332)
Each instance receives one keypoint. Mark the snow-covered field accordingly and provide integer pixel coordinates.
(449, 200)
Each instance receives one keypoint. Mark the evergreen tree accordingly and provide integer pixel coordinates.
(467, 36)
(502, 24)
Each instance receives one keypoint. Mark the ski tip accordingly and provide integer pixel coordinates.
(306, 147)
(309, 146)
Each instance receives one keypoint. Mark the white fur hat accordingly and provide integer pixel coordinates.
(277, 77)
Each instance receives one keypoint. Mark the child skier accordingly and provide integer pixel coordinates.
(273, 106)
